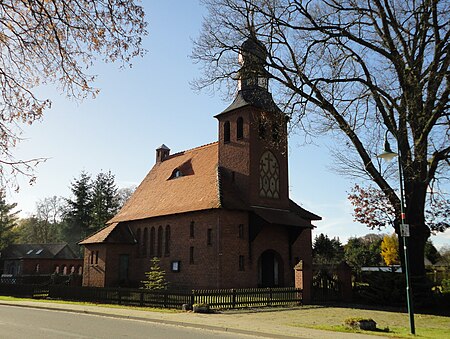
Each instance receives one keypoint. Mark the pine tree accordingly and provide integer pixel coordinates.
(78, 216)
(8, 221)
(105, 201)
(326, 250)
(389, 250)
(156, 277)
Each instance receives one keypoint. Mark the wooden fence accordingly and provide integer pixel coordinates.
(216, 299)
(248, 297)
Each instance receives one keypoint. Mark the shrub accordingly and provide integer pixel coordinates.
(445, 285)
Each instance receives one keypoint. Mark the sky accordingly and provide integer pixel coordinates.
(152, 103)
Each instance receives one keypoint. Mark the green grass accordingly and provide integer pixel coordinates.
(50, 301)
(389, 323)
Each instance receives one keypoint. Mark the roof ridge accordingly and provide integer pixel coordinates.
(192, 149)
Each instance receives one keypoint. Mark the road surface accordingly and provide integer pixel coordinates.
(20, 322)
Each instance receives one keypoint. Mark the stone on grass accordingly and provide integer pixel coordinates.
(361, 324)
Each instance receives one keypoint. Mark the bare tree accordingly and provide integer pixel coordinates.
(354, 69)
(56, 42)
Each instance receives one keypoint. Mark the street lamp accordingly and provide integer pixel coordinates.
(388, 155)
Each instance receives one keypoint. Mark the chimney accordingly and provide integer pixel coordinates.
(162, 152)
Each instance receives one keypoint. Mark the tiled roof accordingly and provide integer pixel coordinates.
(43, 251)
(99, 236)
(163, 193)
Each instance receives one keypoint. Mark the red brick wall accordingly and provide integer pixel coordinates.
(215, 265)
(243, 156)
(47, 266)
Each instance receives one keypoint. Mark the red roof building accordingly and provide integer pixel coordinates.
(219, 215)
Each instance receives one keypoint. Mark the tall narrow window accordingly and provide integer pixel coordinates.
(152, 242)
(160, 241)
(145, 242)
(138, 240)
(226, 132)
(167, 241)
(241, 231)
(241, 263)
(209, 237)
(275, 133)
(96, 257)
(191, 255)
(191, 231)
(262, 129)
(92, 258)
(239, 128)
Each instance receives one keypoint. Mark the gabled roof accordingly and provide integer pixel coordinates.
(162, 193)
(111, 234)
(41, 251)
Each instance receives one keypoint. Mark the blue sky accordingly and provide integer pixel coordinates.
(152, 103)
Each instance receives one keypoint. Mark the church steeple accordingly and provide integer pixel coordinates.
(252, 57)
(253, 135)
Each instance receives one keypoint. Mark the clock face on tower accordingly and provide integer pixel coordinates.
(269, 176)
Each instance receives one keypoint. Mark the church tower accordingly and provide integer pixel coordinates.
(253, 135)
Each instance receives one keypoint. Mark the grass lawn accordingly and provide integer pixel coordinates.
(395, 323)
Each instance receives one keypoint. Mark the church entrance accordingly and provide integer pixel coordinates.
(270, 269)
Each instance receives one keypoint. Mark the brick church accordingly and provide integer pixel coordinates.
(219, 215)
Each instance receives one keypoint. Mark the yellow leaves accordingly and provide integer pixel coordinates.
(389, 250)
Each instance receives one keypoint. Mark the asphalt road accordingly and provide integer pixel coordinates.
(19, 322)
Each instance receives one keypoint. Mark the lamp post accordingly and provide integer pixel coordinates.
(388, 155)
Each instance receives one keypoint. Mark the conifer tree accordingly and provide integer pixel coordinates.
(156, 277)
(105, 201)
(78, 216)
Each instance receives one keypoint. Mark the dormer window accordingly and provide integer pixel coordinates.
(176, 174)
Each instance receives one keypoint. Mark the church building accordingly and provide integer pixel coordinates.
(219, 215)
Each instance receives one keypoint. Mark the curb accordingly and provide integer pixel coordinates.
(156, 321)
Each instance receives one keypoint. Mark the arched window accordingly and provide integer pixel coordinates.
(160, 241)
(138, 239)
(80, 270)
(145, 243)
(64, 270)
(152, 242)
(37, 268)
(56, 269)
(269, 176)
(239, 128)
(72, 269)
(226, 132)
(167, 241)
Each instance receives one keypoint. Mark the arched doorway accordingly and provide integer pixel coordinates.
(270, 269)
